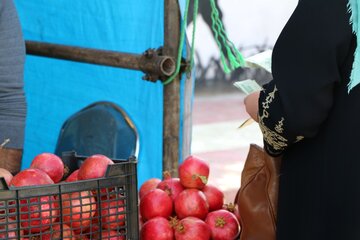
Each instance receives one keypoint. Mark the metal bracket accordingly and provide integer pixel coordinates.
(156, 66)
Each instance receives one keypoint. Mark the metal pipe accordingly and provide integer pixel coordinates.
(156, 65)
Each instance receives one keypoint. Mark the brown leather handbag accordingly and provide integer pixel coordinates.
(258, 194)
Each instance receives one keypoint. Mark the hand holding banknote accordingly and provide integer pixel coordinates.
(251, 87)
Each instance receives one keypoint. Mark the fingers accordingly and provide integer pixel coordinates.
(10, 159)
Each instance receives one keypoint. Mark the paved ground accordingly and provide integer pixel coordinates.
(217, 139)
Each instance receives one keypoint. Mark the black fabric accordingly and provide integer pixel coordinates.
(12, 58)
(315, 124)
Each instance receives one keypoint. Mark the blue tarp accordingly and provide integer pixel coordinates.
(56, 89)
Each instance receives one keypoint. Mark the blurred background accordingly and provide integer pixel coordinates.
(253, 26)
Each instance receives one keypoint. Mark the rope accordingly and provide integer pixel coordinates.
(182, 40)
(230, 61)
(234, 58)
(192, 53)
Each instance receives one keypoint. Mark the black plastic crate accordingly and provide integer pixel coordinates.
(105, 208)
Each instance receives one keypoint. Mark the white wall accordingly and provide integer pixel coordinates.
(248, 23)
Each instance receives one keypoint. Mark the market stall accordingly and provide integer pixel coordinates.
(56, 89)
(81, 53)
(128, 58)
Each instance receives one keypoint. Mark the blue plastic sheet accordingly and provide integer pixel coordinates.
(56, 89)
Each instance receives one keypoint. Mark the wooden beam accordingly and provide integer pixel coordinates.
(151, 63)
(171, 122)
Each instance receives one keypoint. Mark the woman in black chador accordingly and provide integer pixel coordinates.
(310, 114)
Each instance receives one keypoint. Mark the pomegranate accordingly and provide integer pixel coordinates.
(31, 177)
(214, 197)
(38, 213)
(234, 208)
(94, 167)
(78, 209)
(194, 172)
(140, 220)
(67, 233)
(156, 203)
(83, 237)
(191, 203)
(223, 225)
(73, 177)
(192, 228)
(8, 207)
(112, 213)
(9, 230)
(55, 233)
(171, 186)
(51, 164)
(148, 185)
(87, 233)
(6, 175)
(157, 228)
(109, 235)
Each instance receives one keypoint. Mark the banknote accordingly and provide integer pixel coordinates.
(260, 60)
(248, 86)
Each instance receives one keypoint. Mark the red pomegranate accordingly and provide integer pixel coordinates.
(73, 177)
(192, 228)
(223, 225)
(148, 185)
(51, 164)
(55, 233)
(90, 231)
(78, 209)
(156, 203)
(37, 214)
(112, 213)
(109, 235)
(140, 222)
(94, 167)
(171, 186)
(157, 228)
(67, 233)
(191, 203)
(6, 175)
(10, 206)
(31, 177)
(9, 230)
(194, 172)
(234, 208)
(214, 197)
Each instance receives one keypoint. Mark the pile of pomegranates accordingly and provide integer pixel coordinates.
(70, 215)
(186, 207)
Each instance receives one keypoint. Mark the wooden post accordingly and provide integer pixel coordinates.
(171, 122)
